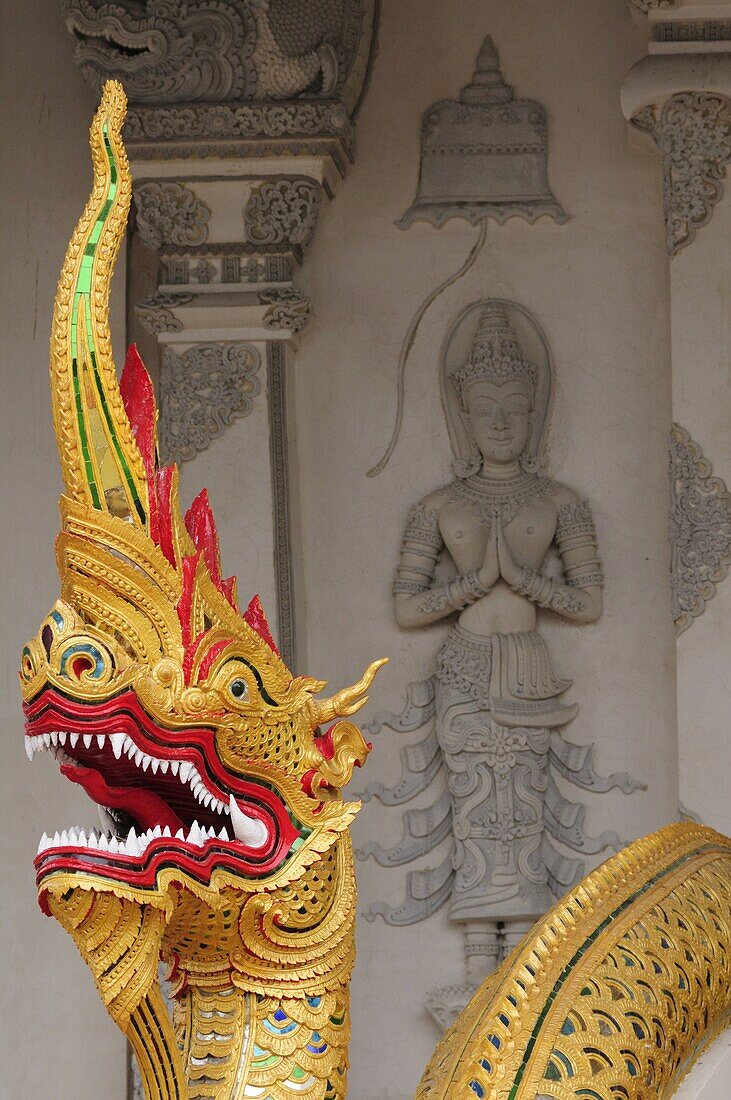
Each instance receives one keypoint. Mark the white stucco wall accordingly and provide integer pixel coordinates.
(56, 1040)
(701, 349)
(599, 287)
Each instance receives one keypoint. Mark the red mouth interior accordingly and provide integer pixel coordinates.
(121, 786)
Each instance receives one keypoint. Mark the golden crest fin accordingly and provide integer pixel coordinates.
(100, 460)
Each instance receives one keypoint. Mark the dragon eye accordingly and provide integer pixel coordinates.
(238, 688)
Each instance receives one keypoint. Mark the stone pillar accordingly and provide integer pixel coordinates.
(239, 128)
(678, 100)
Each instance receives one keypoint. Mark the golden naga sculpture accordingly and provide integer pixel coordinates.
(614, 993)
(225, 851)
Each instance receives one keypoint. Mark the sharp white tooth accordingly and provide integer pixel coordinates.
(117, 740)
(146, 761)
(64, 838)
(154, 764)
(132, 844)
(249, 830)
(81, 839)
(43, 844)
(73, 835)
(157, 831)
(56, 840)
(87, 740)
(104, 843)
(180, 835)
(46, 740)
(139, 757)
(113, 844)
(29, 750)
(93, 841)
(100, 740)
(185, 771)
(73, 738)
(130, 748)
(223, 835)
(195, 836)
(174, 766)
(164, 765)
(166, 831)
(207, 798)
(54, 737)
(62, 738)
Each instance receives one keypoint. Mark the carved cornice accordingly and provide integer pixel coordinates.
(699, 529)
(255, 130)
(201, 391)
(693, 134)
(290, 309)
(214, 51)
(155, 313)
(645, 6)
(170, 213)
(282, 211)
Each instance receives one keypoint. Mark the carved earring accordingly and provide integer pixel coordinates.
(469, 465)
(529, 463)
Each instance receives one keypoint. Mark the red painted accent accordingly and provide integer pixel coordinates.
(306, 782)
(185, 603)
(138, 398)
(228, 587)
(124, 714)
(80, 665)
(202, 529)
(147, 808)
(210, 657)
(325, 747)
(164, 485)
(257, 620)
(197, 862)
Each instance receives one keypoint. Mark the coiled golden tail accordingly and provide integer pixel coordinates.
(223, 847)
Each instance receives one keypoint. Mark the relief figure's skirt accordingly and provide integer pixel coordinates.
(497, 699)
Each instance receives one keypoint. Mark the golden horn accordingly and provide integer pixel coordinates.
(347, 701)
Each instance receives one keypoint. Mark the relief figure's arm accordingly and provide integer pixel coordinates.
(419, 600)
(580, 598)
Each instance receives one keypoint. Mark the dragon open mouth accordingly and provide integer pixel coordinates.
(157, 797)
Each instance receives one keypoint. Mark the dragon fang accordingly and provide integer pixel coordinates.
(224, 848)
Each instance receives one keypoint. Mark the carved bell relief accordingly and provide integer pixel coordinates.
(484, 155)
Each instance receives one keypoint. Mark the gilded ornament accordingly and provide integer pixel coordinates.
(224, 848)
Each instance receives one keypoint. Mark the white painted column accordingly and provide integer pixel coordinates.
(679, 98)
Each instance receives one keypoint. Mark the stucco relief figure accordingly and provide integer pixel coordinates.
(489, 550)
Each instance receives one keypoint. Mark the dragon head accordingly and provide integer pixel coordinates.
(217, 773)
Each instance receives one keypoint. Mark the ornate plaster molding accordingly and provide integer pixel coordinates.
(283, 211)
(212, 51)
(170, 213)
(699, 529)
(693, 134)
(202, 391)
(290, 309)
(233, 265)
(257, 130)
(156, 312)
(645, 6)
